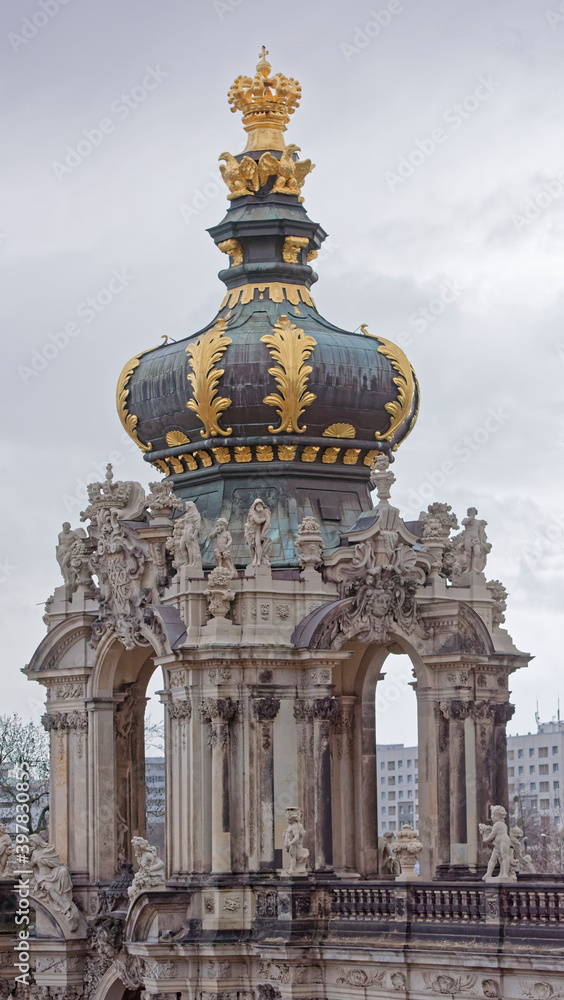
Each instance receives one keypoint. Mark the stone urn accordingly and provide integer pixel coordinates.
(219, 593)
(407, 849)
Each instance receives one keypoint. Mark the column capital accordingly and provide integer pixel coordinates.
(265, 709)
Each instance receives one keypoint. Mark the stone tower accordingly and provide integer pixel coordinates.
(268, 588)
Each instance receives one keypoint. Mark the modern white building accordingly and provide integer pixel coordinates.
(535, 762)
(398, 800)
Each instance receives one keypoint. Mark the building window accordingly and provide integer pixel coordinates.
(543, 751)
(409, 793)
(521, 769)
(531, 751)
(557, 803)
(391, 765)
(400, 779)
(400, 795)
(383, 765)
(408, 762)
(544, 786)
(383, 795)
(521, 787)
(416, 779)
(392, 811)
(383, 810)
(511, 754)
(520, 753)
(555, 751)
(400, 763)
(416, 762)
(555, 768)
(391, 781)
(391, 796)
(532, 786)
(409, 779)
(532, 768)
(392, 826)
(534, 804)
(543, 768)
(511, 772)
(545, 803)
(556, 786)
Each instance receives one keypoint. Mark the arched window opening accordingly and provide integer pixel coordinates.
(155, 764)
(397, 747)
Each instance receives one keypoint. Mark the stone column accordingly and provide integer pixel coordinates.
(366, 789)
(503, 712)
(324, 709)
(458, 711)
(178, 816)
(265, 711)
(218, 713)
(303, 714)
(68, 786)
(102, 790)
(343, 731)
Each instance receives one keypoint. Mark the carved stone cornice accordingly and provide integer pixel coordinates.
(218, 709)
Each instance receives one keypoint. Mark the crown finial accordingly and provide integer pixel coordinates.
(266, 103)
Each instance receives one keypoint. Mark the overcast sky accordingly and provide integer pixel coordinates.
(435, 125)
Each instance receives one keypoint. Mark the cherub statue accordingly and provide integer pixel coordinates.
(501, 854)
(294, 843)
(223, 541)
(5, 848)
(151, 873)
(256, 531)
(184, 542)
(524, 861)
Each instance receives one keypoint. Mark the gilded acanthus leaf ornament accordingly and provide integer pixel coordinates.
(290, 347)
(400, 408)
(204, 379)
(129, 420)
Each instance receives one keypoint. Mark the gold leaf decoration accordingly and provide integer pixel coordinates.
(221, 455)
(351, 456)
(309, 454)
(339, 431)
(176, 437)
(292, 247)
(234, 249)
(204, 379)
(205, 459)
(289, 347)
(400, 408)
(162, 466)
(330, 456)
(371, 456)
(265, 453)
(129, 420)
(243, 453)
(286, 452)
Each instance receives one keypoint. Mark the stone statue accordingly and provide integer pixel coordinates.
(470, 549)
(309, 543)
(67, 538)
(382, 479)
(524, 861)
(256, 531)
(161, 499)
(407, 848)
(501, 854)
(223, 541)
(151, 873)
(184, 542)
(5, 849)
(388, 863)
(51, 879)
(294, 843)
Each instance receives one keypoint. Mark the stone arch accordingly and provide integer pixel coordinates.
(116, 703)
(111, 987)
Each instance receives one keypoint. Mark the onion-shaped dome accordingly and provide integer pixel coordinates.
(270, 398)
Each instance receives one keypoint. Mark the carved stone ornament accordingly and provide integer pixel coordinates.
(438, 522)
(497, 834)
(5, 849)
(73, 558)
(448, 985)
(128, 573)
(219, 593)
(382, 478)
(407, 849)
(309, 543)
(51, 881)
(256, 531)
(524, 862)
(151, 871)
(499, 597)
(162, 500)
(184, 543)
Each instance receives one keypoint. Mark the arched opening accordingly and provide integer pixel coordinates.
(154, 747)
(397, 752)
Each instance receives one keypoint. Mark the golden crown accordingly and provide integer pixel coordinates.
(266, 103)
